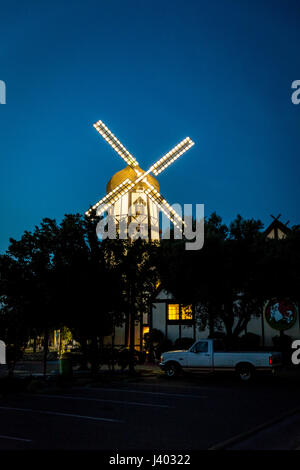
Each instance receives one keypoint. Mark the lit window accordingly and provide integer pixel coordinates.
(186, 312)
(180, 313)
(173, 312)
(146, 330)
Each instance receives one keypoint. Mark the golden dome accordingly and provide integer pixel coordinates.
(130, 173)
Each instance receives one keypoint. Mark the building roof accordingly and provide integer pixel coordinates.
(130, 173)
(277, 230)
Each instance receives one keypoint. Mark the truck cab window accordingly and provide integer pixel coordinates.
(201, 347)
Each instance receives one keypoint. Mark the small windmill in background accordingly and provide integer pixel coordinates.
(133, 194)
(277, 230)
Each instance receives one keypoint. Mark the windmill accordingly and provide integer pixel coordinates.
(133, 194)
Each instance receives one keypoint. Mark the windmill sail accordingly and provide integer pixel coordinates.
(115, 143)
(172, 155)
(165, 207)
(112, 197)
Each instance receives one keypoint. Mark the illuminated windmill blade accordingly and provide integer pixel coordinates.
(111, 197)
(165, 207)
(171, 156)
(115, 143)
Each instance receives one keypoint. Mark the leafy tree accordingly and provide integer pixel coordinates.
(224, 278)
(33, 254)
(13, 329)
(91, 294)
(136, 262)
(57, 276)
(63, 276)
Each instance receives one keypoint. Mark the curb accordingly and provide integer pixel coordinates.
(251, 432)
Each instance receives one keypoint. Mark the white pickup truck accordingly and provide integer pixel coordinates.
(208, 355)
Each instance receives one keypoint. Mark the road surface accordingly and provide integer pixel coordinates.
(187, 414)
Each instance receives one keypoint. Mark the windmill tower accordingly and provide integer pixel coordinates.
(135, 207)
(133, 194)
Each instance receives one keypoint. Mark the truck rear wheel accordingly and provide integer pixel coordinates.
(245, 372)
(172, 370)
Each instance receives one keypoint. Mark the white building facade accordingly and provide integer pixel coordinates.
(176, 320)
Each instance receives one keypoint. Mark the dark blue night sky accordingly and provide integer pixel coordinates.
(155, 72)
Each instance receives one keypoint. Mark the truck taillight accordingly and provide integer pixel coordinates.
(270, 360)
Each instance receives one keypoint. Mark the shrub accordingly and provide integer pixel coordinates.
(156, 343)
(165, 346)
(249, 341)
(124, 356)
(283, 344)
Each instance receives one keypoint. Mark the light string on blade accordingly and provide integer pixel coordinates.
(128, 184)
(113, 196)
(158, 199)
(172, 155)
(115, 143)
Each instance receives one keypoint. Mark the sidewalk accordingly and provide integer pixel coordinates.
(281, 435)
(31, 368)
(35, 368)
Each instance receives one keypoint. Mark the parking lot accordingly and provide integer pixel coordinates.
(186, 414)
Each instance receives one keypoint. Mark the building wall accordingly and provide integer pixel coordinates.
(120, 338)
(257, 325)
(172, 331)
(159, 316)
(148, 219)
